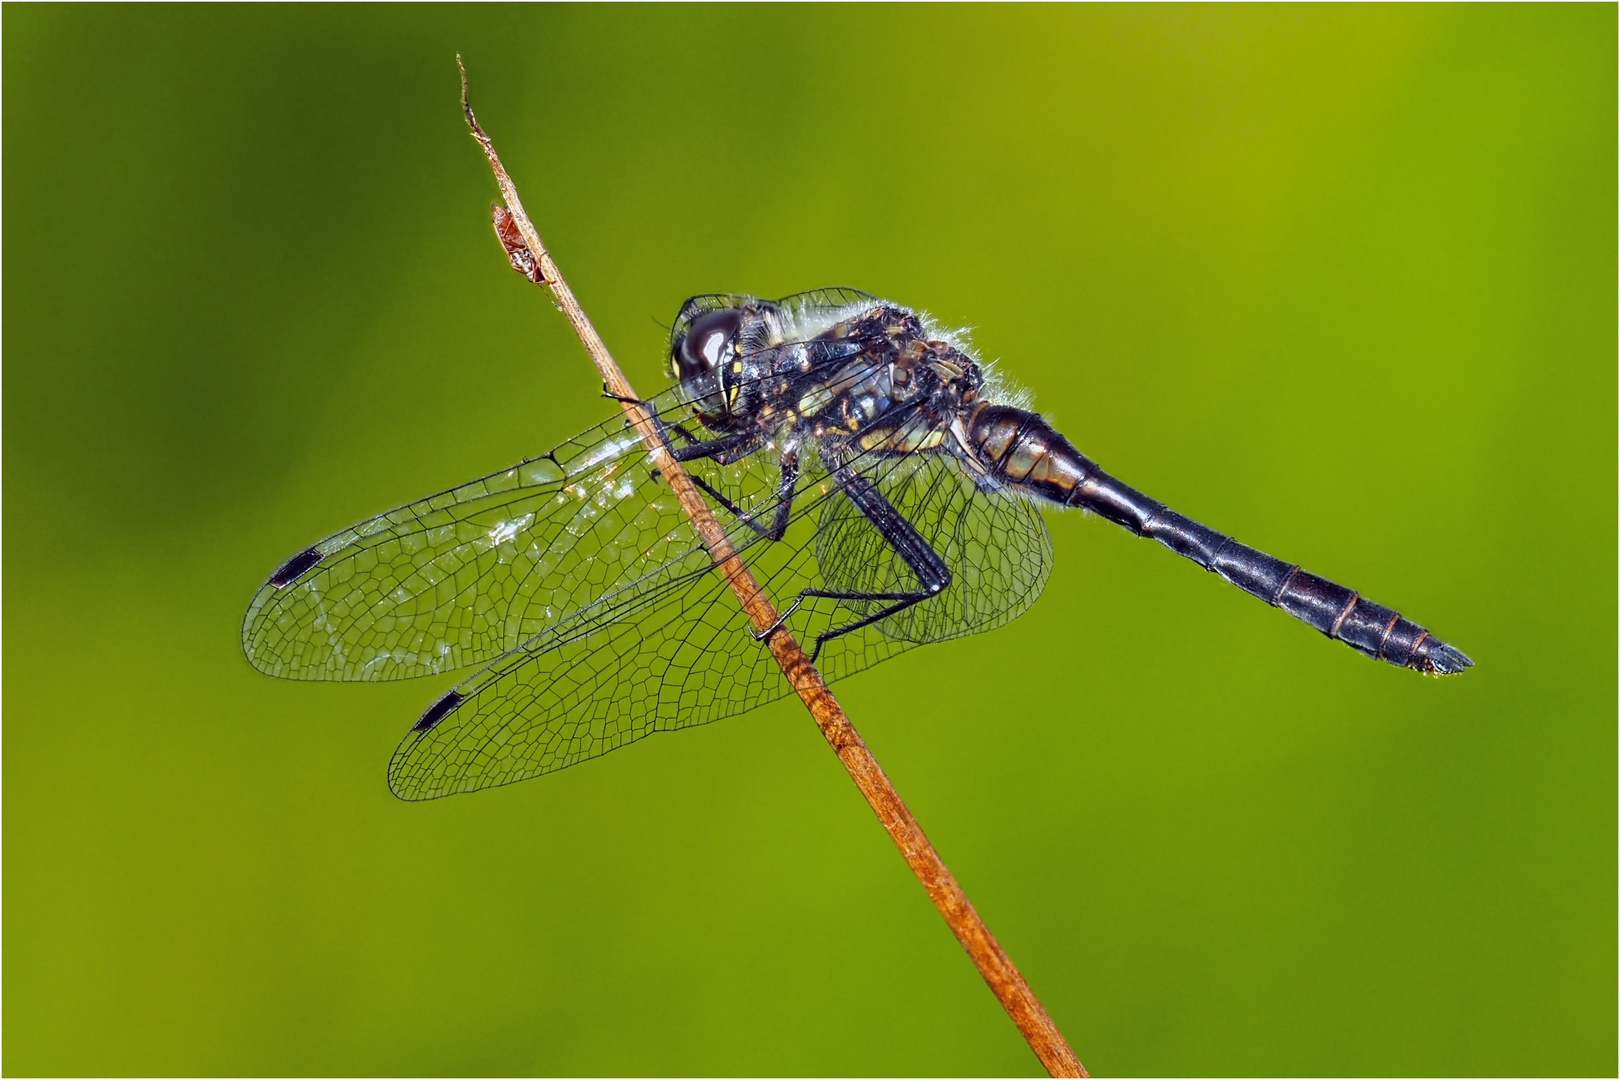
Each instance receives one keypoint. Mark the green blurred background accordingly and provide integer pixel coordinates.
(1340, 281)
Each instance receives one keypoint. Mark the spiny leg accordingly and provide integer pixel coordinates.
(694, 447)
(784, 500)
(724, 450)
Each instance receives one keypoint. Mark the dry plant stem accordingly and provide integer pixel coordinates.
(993, 963)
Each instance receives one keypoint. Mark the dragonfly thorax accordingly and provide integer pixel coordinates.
(871, 375)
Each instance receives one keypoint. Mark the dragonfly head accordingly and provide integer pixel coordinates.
(703, 357)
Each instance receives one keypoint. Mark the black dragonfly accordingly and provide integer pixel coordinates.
(868, 469)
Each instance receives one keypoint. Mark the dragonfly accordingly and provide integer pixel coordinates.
(870, 470)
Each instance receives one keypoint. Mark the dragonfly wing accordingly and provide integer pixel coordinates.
(675, 650)
(675, 654)
(828, 301)
(468, 575)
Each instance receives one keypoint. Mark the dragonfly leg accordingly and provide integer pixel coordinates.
(784, 501)
(932, 573)
(761, 635)
(695, 447)
(784, 495)
(725, 449)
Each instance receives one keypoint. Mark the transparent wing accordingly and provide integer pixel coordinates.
(681, 655)
(676, 651)
(825, 301)
(468, 575)
(799, 306)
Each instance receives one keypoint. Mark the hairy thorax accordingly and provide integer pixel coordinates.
(872, 383)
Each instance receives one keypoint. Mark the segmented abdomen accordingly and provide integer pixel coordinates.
(1021, 448)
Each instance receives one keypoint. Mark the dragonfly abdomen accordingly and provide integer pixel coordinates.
(1335, 610)
(1021, 448)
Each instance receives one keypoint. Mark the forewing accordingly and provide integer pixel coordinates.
(468, 575)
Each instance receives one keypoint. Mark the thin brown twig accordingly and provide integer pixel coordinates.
(993, 963)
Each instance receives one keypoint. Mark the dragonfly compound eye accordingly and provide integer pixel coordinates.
(709, 342)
